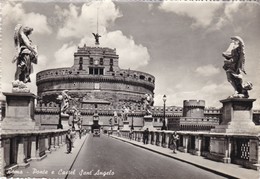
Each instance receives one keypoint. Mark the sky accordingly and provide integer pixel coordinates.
(180, 43)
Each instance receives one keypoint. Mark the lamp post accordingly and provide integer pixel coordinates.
(110, 122)
(59, 100)
(164, 125)
(132, 125)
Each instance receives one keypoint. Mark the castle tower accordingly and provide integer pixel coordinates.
(193, 108)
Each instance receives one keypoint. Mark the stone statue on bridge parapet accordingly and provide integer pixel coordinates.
(64, 98)
(234, 66)
(125, 113)
(76, 117)
(26, 54)
(148, 102)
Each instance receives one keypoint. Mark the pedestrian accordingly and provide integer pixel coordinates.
(145, 136)
(130, 134)
(80, 132)
(69, 141)
(175, 138)
(73, 137)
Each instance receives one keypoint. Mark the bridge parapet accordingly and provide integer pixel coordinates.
(19, 148)
(242, 149)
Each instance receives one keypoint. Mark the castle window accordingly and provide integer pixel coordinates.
(142, 77)
(91, 61)
(96, 71)
(101, 61)
(101, 71)
(91, 71)
(111, 62)
(80, 63)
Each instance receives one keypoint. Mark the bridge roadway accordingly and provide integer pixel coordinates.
(105, 156)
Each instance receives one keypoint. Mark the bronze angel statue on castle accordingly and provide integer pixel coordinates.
(26, 54)
(234, 64)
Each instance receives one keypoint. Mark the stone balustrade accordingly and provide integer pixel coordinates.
(17, 149)
(242, 149)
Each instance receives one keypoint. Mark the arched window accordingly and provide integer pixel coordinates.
(142, 77)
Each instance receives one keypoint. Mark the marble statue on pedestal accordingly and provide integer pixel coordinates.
(125, 112)
(77, 119)
(64, 98)
(234, 66)
(148, 102)
(26, 54)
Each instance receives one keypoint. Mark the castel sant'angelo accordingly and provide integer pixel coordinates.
(97, 85)
(96, 75)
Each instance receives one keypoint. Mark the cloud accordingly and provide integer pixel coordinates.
(77, 22)
(211, 15)
(64, 56)
(131, 55)
(230, 9)
(201, 12)
(14, 13)
(227, 17)
(207, 70)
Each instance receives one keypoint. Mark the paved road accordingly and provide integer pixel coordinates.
(115, 159)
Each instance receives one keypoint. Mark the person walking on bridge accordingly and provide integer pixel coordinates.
(146, 136)
(175, 138)
(69, 141)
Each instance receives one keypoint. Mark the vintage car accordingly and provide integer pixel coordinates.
(96, 133)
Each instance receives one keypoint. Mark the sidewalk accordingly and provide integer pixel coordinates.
(55, 165)
(226, 170)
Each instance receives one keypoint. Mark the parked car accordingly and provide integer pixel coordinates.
(96, 133)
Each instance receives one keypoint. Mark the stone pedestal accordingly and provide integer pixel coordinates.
(19, 112)
(237, 116)
(148, 123)
(125, 126)
(65, 121)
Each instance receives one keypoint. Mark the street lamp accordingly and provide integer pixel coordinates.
(59, 100)
(164, 125)
(132, 125)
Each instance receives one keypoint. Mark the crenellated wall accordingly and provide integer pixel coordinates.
(193, 108)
